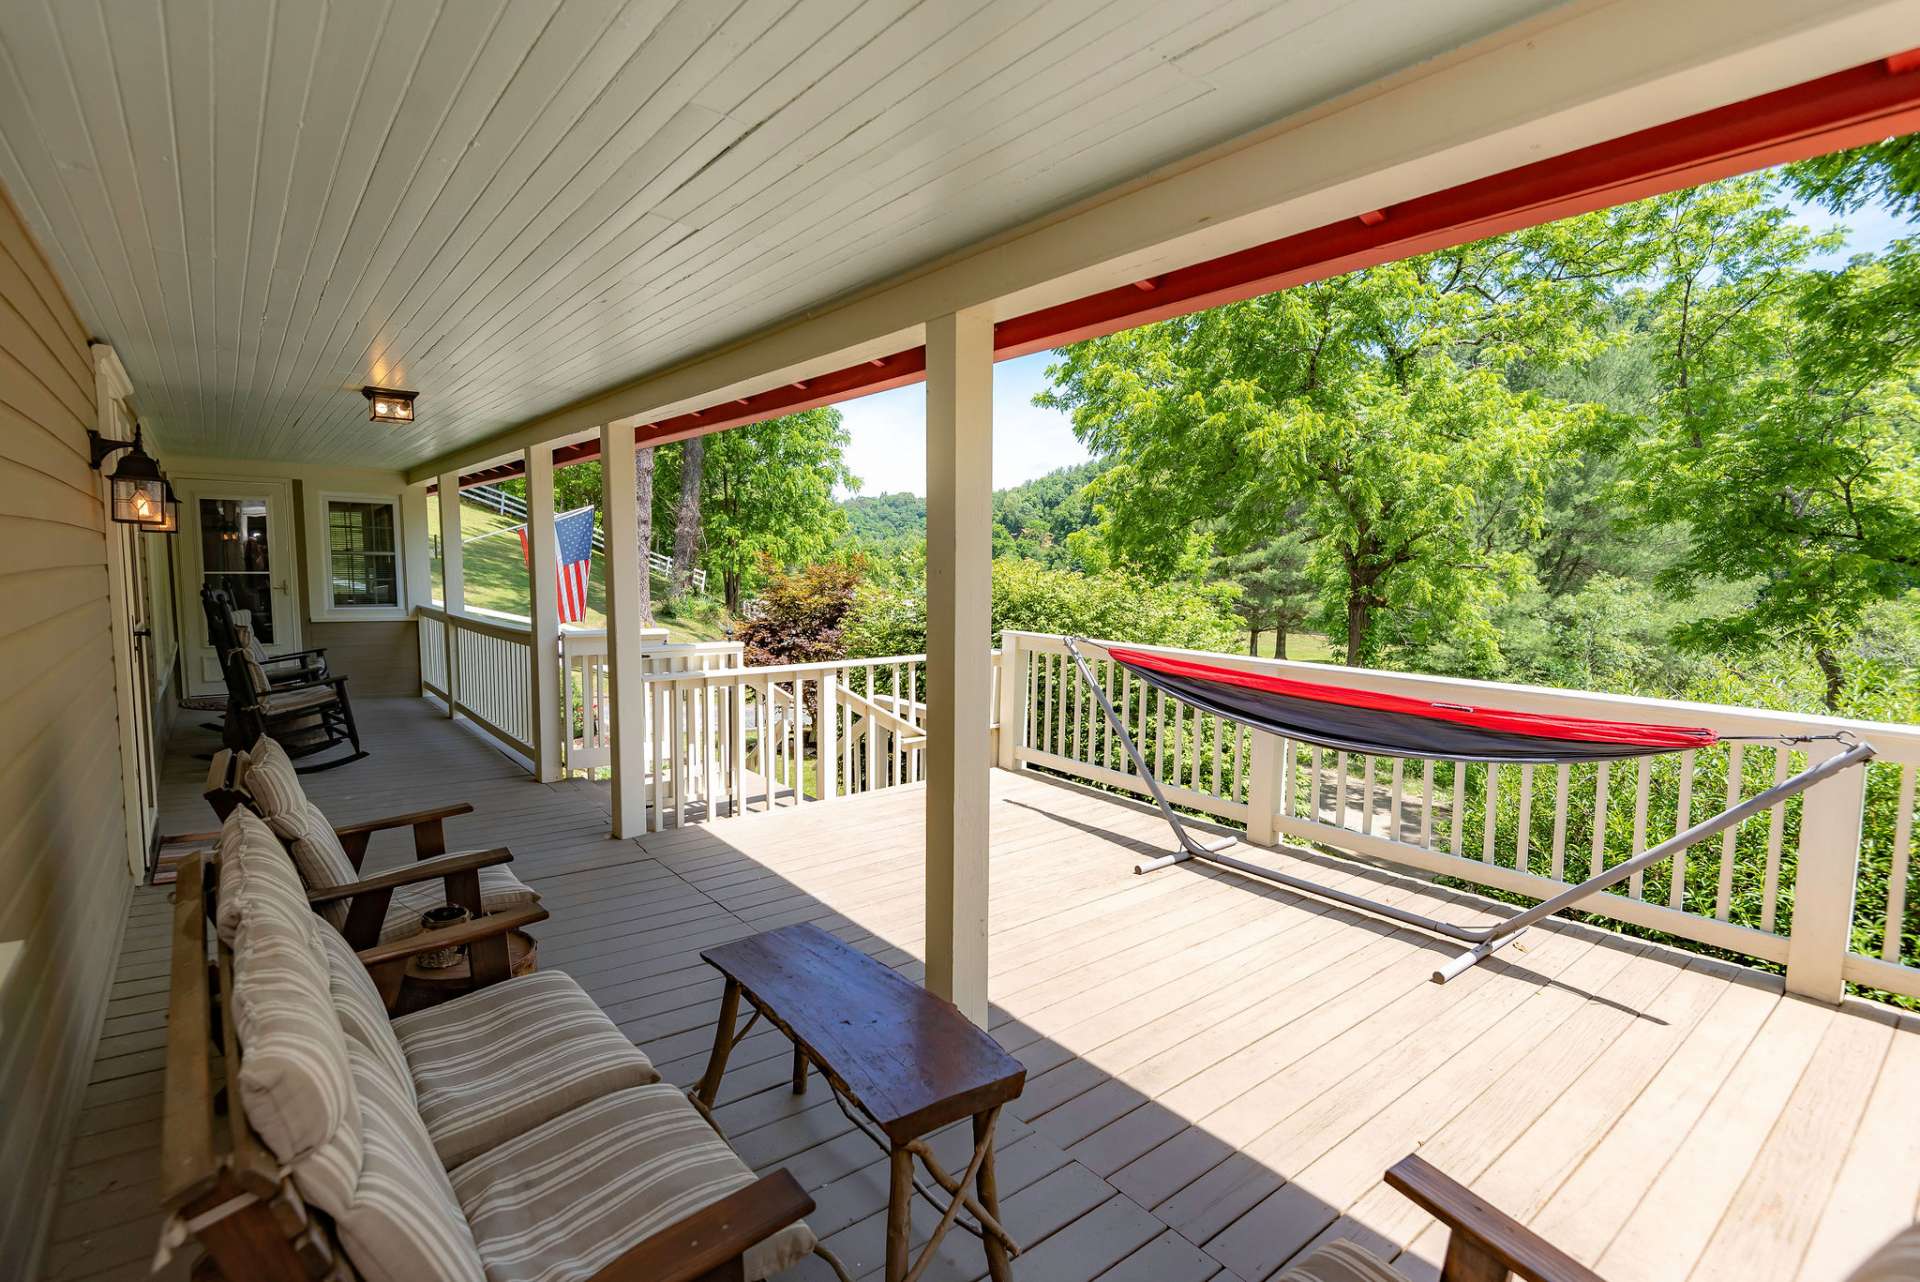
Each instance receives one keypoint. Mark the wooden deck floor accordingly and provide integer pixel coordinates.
(1218, 1071)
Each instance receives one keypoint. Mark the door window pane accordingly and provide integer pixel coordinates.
(234, 556)
(363, 565)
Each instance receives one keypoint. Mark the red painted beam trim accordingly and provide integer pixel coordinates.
(1847, 109)
(1860, 105)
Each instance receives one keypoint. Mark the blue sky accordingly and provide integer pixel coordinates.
(888, 447)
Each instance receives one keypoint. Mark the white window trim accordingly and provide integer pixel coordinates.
(320, 604)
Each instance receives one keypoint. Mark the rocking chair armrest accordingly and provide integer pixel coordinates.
(413, 820)
(425, 870)
(697, 1245)
(1483, 1236)
(467, 932)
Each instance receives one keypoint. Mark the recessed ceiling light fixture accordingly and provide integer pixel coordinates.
(388, 405)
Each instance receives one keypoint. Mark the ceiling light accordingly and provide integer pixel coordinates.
(388, 405)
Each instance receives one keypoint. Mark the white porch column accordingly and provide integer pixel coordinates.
(453, 577)
(1824, 880)
(959, 653)
(543, 683)
(626, 695)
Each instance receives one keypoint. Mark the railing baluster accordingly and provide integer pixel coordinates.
(1395, 797)
(1426, 805)
(1776, 830)
(1730, 840)
(1523, 835)
(1457, 821)
(1491, 801)
(1562, 780)
(1366, 795)
(1897, 871)
(1642, 788)
(1599, 858)
(1677, 893)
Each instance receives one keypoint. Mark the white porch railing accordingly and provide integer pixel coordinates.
(1790, 887)
(587, 738)
(482, 668)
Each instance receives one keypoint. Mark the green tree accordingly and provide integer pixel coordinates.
(767, 496)
(1786, 440)
(1373, 409)
(1275, 590)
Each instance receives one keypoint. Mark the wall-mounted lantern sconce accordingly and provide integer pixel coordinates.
(388, 405)
(170, 523)
(139, 489)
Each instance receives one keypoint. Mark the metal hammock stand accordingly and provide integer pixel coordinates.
(1482, 941)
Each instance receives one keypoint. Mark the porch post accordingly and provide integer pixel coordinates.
(453, 576)
(626, 693)
(959, 653)
(543, 683)
(1824, 880)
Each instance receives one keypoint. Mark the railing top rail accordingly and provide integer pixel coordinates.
(1894, 741)
(506, 629)
(781, 671)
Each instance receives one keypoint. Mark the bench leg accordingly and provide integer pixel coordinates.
(998, 1267)
(900, 1214)
(722, 1045)
(799, 1071)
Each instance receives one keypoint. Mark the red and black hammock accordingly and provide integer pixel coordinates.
(1392, 725)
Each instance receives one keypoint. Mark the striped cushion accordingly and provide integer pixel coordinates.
(1340, 1261)
(293, 1065)
(256, 675)
(494, 1064)
(282, 702)
(271, 780)
(561, 1201)
(500, 891)
(362, 1015)
(1897, 1261)
(400, 1222)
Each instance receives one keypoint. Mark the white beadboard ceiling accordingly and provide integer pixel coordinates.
(507, 205)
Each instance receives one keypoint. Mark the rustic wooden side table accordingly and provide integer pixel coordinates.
(422, 986)
(908, 1062)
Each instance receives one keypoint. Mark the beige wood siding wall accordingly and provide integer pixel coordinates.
(64, 881)
(381, 657)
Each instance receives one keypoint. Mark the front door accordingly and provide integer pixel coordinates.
(236, 537)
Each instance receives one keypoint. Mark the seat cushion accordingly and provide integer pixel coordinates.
(294, 1077)
(398, 1221)
(1340, 1261)
(563, 1200)
(494, 1064)
(270, 779)
(301, 699)
(362, 1015)
(500, 891)
(1898, 1260)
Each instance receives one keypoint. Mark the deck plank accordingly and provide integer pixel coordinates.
(1218, 1069)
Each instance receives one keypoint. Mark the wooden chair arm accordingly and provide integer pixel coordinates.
(425, 870)
(1486, 1242)
(413, 820)
(700, 1245)
(467, 932)
(293, 655)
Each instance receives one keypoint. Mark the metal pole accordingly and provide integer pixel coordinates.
(1189, 847)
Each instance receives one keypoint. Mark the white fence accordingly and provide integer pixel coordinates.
(1797, 886)
(495, 499)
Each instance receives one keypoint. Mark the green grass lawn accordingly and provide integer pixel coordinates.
(1308, 647)
(496, 579)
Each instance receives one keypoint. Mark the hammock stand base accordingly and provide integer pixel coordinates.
(1485, 941)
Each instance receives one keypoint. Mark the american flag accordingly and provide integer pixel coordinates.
(573, 538)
